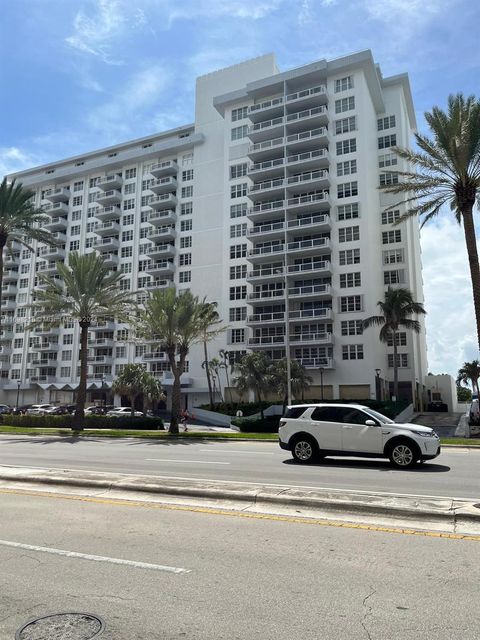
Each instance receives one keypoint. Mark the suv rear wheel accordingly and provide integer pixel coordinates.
(403, 454)
(304, 449)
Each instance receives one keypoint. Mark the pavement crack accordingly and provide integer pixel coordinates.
(368, 612)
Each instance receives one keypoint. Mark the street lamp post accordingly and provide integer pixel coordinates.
(104, 393)
(377, 384)
(18, 393)
(321, 369)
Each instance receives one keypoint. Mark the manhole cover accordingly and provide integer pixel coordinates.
(62, 626)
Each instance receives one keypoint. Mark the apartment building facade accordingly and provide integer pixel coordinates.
(268, 205)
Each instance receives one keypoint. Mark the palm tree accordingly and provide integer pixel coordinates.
(173, 323)
(133, 381)
(86, 290)
(226, 361)
(20, 221)
(211, 327)
(446, 170)
(253, 373)
(469, 373)
(298, 374)
(396, 310)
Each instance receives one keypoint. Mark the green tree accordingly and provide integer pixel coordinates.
(253, 372)
(20, 221)
(396, 309)
(446, 170)
(133, 381)
(226, 363)
(86, 290)
(173, 323)
(469, 373)
(464, 394)
(211, 327)
(298, 374)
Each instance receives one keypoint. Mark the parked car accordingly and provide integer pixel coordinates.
(474, 413)
(4, 408)
(124, 411)
(61, 410)
(40, 409)
(313, 431)
(437, 405)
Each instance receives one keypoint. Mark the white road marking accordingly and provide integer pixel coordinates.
(184, 461)
(88, 556)
(261, 453)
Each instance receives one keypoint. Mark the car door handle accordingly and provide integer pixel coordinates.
(346, 427)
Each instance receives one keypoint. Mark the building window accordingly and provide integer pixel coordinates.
(389, 237)
(145, 201)
(350, 280)
(239, 114)
(23, 283)
(385, 142)
(126, 267)
(238, 230)
(345, 104)
(78, 186)
(402, 360)
(238, 272)
(76, 215)
(187, 175)
(348, 234)
(91, 226)
(74, 245)
(93, 181)
(393, 256)
(127, 252)
(186, 225)
(129, 188)
(184, 276)
(186, 242)
(347, 189)
(345, 125)
(140, 350)
(18, 343)
(67, 338)
(127, 235)
(65, 372)
(388, 179)
(238, 210)
(238, 251)
(143, 265)
(238, 170)
(124, 285)
(394, 277)
(129, 204)
(237, 314)
(237, 336)
(347, 211)
(77, 201)
(25, 268)
(187, 159)
(387, 160)
(238, 293)
(400, 339)
(349, 256)
(238, 133)
(346, 146)
(346, 168)
(351, 303)
(122, 334)
(121, 352)
(146, 183)
(187, 192)
(386, 123)
(128, 219)
(186, 208)
(89, 242)
(351, 327)
(66, 355)
(390, 217)
(130, 173)
(238, 190)
(352, 352)
(185, 259)
(343, 84)
(75, 230)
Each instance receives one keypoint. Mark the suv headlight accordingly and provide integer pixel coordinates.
(424, 434)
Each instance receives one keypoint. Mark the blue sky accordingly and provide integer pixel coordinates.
(83, 74)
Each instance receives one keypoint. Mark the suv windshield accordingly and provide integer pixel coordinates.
(381, 418)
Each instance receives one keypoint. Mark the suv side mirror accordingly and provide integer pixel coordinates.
(371, 423)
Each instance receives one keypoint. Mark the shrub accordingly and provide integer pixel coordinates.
(230, 409)
(91, 422)
(257, 425)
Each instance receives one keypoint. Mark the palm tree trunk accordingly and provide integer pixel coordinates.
(132, 405)
(207, 371)
(79, 417)
(395, 366)
(177, 370)
(471, 242)
(228, 383)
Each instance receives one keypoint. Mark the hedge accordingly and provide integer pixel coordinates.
(256, 425)
(91, 422)
(230, 409)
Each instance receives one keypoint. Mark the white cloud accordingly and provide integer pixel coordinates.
(246, 9)
(13, 159)
(451, 329)
(404, 17)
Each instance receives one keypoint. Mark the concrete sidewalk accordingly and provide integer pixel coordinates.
(385, 509)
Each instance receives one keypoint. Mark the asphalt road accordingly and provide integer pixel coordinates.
(455, 473)
(237, 578)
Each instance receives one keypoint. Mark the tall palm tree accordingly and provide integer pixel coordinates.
(469, 373)
(174, 323)
(446, 170)
(86, 290)
(20, 221)
(211, 326)
(226, 362)
(300, 379)
(396, 308)
(253, 373)
(133, 381)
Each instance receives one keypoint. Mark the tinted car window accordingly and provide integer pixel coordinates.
(326, 414)
(352, 416)
(294, 412)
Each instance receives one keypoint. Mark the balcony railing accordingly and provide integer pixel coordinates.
(306, 135)
(308, 113)
(310, 290)
(265, 228)
(306, 93)
(320, 265)
(269, 294)
(266, 251)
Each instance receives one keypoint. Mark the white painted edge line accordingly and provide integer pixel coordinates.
(184, 461)
(257, 453)
(87, 556)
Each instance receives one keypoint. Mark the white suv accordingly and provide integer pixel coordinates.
(312, 431)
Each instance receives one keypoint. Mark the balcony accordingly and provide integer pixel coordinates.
(5, 350)
(166, 168)
(60, 237)
(310, 314)
(266, 318)
(266, 341)
(113, 181)
(44, 379)
(265, 254)
(161, 234)
(58, 194)
(307, 159)
(108, 228)
(318, 179)
(107, 244)
(9, 289)
(268, 108)
(268, 274)
(12, 260)
(53, 331)
(268, 295)
(272, 231)
(10, 275)
(266, 129)
(59, 208)
(164, 185)
(311, 291)
(265, 210)
(310, 202)
(309, 247)
(52, 253)
(266, 169)
(263, 150)
(107, 325)
(56, 224)
(307, 140)
(9, 304)
(110, 259)
(158, 356)
(46, 346)
(112, 196)
(160, 251)
(160, 218)
(47, 268)
(102, 359)
(317, 222)
(316, 363)
(162, 202)
(297, 339)
(159, 284)
(112, 212)
(308, 97)
(315, 117)
(43, 361)
(272, 188)
(162, 267)
(321, 266)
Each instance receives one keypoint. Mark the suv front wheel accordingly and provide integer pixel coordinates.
(403, 454)
(304, 449)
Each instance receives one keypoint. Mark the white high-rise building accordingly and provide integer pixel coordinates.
(268, 204)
